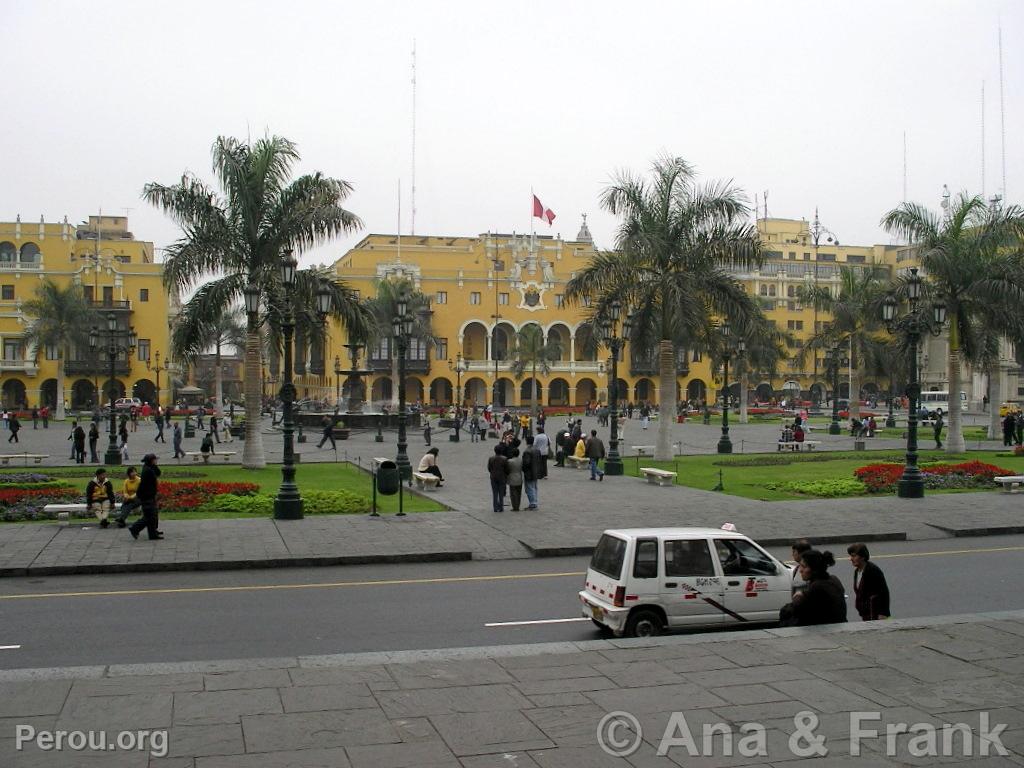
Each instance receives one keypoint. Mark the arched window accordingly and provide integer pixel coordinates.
(8, 253)
(29, 253)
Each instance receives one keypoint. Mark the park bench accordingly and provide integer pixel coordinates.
(577, 462)
(197, 455)
(793, 445)
(643, 450)
(37, 458)
(1010, 482)
(425, 480)
(660, 477)
(64, 511)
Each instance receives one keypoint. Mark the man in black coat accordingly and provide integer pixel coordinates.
(147, 496)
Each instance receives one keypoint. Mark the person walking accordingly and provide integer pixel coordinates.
(94, 438)
(531, 462)
(824, 600)
(14, 425)
(938, 431)
(78, 443)
(159, 421)
(35, 418)
(176, 441)
(595, 452)
(148, 494)
(428, 465)
(645, 415)
(214, 427)
(44, 414)
(99, 497)
(129, 496)
(542, 444)
(869, 585)
(515, 479)
(497, 469)
(327, 433)
(225, 428)
(1018, 421)
(474, 428)
(133, 417)
(122, 433)
(1009, 428)
(426, 431)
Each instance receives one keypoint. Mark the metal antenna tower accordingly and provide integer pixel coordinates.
(1002, 108)
(412, 228)
(982, 139)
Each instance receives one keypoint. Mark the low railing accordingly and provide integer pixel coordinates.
(96, 367)
(11, 266)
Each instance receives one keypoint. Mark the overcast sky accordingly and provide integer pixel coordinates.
(807, 100)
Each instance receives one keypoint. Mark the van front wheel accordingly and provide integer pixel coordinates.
(644, 624)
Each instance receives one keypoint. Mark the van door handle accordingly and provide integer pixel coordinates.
(671, 585)
(734, 583)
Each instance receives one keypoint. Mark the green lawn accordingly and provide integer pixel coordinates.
(747, 475)
(321, 477)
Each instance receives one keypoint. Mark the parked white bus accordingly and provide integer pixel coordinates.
(938, 402)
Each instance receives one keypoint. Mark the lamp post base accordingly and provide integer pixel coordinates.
(288, 508)
(890, 423)
(724, 444)
(910, 489)
(613, 465)
(834, 428)
(112, 457)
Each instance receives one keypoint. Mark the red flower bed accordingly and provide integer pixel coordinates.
(880, 478)
(179, 497)
(9, 496)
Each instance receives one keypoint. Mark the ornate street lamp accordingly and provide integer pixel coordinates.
(401, 325)
(459, 367)
(118, 340)
(615, 343)
(288, 504)
(729, 347)
(337, 382)
(157, 369)
(912, 325)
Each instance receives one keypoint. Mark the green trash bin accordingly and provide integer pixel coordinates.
(387, 478)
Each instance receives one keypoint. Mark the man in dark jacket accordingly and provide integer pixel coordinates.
(78, 443)
(147, 496)
(14, 425)
(497, 468)
(595, 452)
(869, 585)
(532, 465)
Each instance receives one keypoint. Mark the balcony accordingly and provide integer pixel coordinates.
(558, 366)
(14, 266)
(650, 367)
(117, 306)
(98, 366)
(411, 366)
(28, 367)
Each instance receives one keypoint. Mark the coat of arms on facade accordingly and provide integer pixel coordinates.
(532, 296)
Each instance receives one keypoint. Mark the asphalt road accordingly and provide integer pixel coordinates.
(79, 620)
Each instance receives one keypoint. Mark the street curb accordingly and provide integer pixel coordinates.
(236, 565)
(765, 541)
(492, 651)
(1005, 530)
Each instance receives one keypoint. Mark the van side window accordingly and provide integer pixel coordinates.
(741, 558)
(645, 564)
(688, 557)
(608, 556)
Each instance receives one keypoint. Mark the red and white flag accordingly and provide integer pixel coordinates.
(541, 212)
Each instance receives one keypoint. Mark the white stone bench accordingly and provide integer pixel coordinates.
(64, 511)
(1010, 483)
(37, 458)
(660, 477)
(425, 480)
(643, 450)
(578, 462)
(197, 455)
(793, 445)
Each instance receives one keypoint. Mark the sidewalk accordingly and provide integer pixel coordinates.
(573, 513)
(543, 705)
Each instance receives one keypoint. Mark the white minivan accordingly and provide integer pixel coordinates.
(642, 581)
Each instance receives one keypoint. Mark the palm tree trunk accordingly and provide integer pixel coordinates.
(666, 399)
(854, 383)
(59, 405)
(533, 387)
(218, 385)
(394, 378)
(995, 397)
(955, 436)
(252, 451)
(743, 393)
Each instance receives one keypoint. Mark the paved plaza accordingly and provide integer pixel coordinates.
(544, 705)
(572, 513)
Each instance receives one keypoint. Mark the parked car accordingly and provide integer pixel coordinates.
(126, 403)
(643, 581)
(1008, 407)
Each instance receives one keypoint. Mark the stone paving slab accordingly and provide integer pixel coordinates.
(478, 707)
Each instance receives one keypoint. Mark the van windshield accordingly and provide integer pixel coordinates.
(608, 556)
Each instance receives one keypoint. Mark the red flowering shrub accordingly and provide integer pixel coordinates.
(11, 496)
(181, 497)
(882, 478)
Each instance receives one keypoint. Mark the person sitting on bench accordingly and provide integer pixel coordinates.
(798, 434)
(99, 497)
(206, 447)
(428, 465)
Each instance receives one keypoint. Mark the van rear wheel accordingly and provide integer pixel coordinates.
(644, 624)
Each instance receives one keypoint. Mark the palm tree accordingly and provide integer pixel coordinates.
(531, 349)
(675, 246)
(60, 318)
(856, 322)
(765, 349)
(965, 262)
(384, 307)
(193, 335)
(241, 235)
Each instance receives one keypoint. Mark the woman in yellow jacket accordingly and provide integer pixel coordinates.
(580, 452)
(129, 498)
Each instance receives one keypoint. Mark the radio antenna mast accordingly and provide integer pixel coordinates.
(904, 166)
(412, 228)
(982, 139)
(1002, 108)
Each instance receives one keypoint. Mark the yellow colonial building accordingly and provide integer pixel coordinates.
(119, 276)
(483, 289)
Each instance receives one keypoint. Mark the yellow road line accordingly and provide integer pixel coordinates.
(322, 585)
(411, 582)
